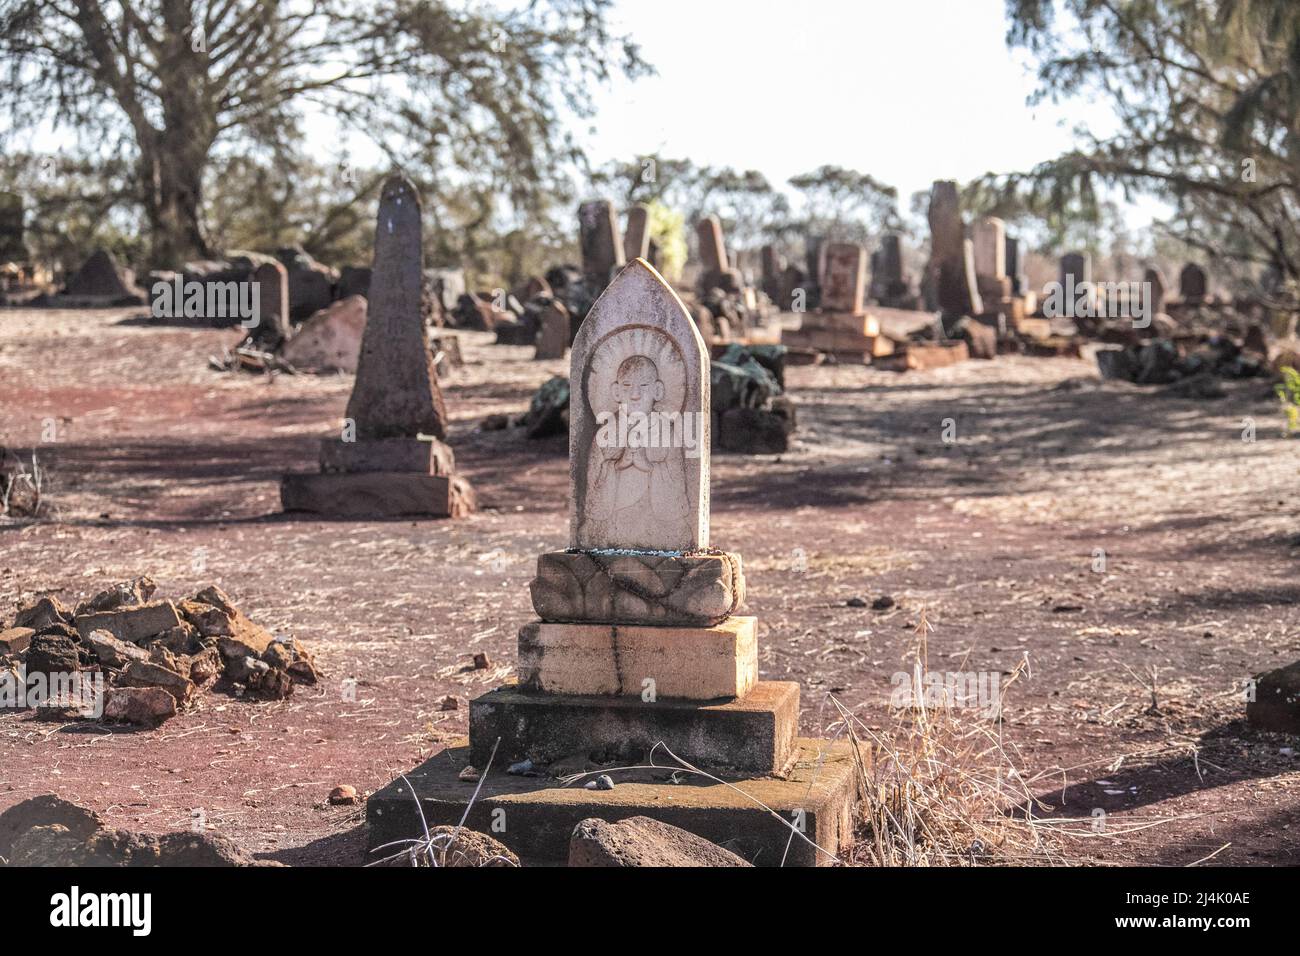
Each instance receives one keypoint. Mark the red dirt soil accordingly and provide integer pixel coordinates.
(161, 466)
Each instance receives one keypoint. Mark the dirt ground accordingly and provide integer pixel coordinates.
(1137, 652)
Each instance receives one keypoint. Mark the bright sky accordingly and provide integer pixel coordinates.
(907, 90)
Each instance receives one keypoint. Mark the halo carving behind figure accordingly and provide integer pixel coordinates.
(611, 351)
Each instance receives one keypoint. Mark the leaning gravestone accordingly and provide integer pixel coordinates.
(640, 645)
(391, 459)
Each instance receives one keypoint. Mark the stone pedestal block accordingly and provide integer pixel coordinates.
(419, 456)
(631, 587)
(754, 733)
(696, 663)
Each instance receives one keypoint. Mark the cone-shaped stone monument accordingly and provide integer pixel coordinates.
(639, 650)
(391, 458)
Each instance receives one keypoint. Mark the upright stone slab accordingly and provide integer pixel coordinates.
(390, 459)
(396, 391)
(1156, 285)
(553, 332)
(844, 278)
(1193, 286)
(950, 271)
(272, 281)
(990, 238)
(636, 241)
(602, 247)
(12, 246)
(1012, 256)
(1076, 268)
(639, 358)
(713, 250)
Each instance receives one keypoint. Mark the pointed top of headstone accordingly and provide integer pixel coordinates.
(396, 392)
(639, 420)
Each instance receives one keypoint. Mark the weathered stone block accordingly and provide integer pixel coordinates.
(820, 784)
(377, 494)
(697, 663)
(131, 624)
(755, 732)
(414, 455)
(630, 587)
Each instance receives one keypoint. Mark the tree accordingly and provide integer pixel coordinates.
(472, 94)
(845, 205)
(1207, 99)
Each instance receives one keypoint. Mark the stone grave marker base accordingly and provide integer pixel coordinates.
(698, 663)
(540, 813)
(754, 733)
(377, 494)
(422, 456)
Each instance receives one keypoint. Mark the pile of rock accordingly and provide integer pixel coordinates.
(1191, 363)
(48, 831)
(154, 655)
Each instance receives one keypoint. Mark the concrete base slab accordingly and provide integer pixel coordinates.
(377, 494)
(697, 663)
(754, 733)
(535, 816)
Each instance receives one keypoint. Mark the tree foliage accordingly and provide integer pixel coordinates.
(1205, 99)
(470, 99)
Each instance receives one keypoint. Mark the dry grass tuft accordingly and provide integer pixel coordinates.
(940, 787)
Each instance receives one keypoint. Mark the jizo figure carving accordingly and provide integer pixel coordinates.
(639, 426)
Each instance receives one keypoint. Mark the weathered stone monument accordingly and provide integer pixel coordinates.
(1193, 286)
(636, 241)
(1155, 281)
(640, 650)
(272, 281)
(391, 458)
(951, 270)
(13, 248)
(553, 331)
(844, 278)
(602, 246)
(841, 325)
(717, 271)
(890, 284)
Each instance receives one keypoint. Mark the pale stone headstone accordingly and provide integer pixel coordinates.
(713, 251)
(639, 421)
(602, 246)
(844, 277)
(1192, 283)
(396, 391)
(990, 237)
(273, 299)
(330, 340)
(552, 332)
(636, 241)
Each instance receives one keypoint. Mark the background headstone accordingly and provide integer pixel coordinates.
(602, 247)
(396, 391)
(636, 241)
(273, 300)
(1192, 283)
(844, 277)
